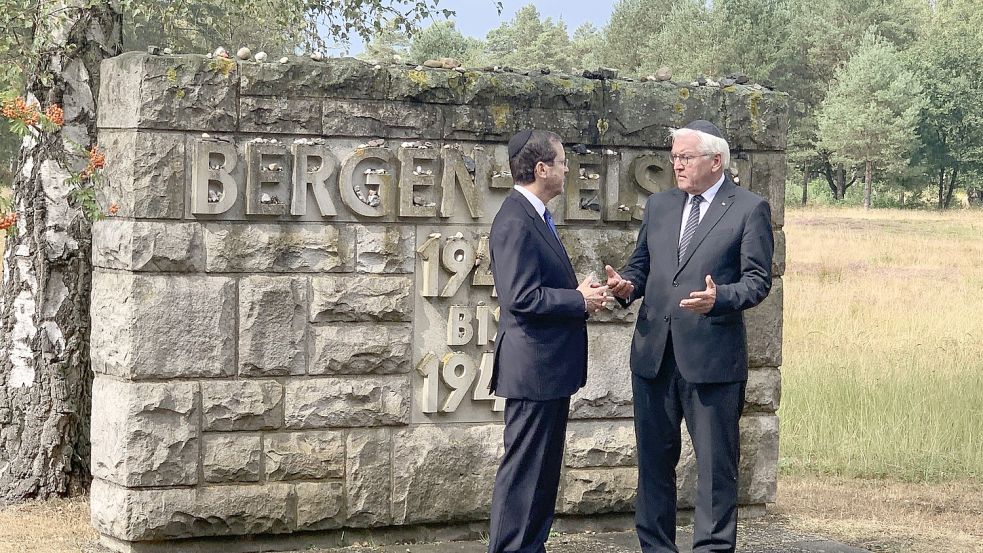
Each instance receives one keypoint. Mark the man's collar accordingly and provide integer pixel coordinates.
(711, 192)
(533, 199)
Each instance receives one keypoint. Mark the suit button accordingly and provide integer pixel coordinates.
(666, 318)
(675, 284)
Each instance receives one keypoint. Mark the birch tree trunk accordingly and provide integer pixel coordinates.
(45, 376)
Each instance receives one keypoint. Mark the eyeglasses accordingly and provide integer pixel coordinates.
(685, 159)
(565, 161)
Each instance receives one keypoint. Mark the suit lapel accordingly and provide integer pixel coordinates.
(721, 203)
(545, 232)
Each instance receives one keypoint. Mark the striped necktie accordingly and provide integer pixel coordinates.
(692, 222)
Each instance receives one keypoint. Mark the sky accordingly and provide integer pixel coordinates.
(477, 17)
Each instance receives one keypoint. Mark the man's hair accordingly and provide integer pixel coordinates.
(709, 144)
(538, 148)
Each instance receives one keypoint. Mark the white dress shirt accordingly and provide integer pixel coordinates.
(534, 200)
(704, 205)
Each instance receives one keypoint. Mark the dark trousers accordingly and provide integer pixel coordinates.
(712, 413)
(526, 483)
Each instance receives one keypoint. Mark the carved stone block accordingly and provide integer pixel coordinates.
(310, 455)
(361, 298)
(147, 246)
(443, 474)
(337, 402)
(272, 248)
(145, 434)
(361, 349)
(368, 474)
(144, 174)
(272, 326)
(162, 326)
(242, 405)
(231, 457)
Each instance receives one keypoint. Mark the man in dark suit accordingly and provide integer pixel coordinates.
(703, 256)
(541, 347)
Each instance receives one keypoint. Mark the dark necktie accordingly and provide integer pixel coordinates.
(550, 224)
(692, 222)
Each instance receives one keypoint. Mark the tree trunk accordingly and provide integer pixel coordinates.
(901, 199)
(868, 166)
(941, 188)
(840, 181)
(805, 185)
(951, 188)
(45, 376)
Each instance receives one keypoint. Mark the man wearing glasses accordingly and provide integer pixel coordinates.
(541, 346)
(703, 256)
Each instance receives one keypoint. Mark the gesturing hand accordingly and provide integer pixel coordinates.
(595, 293)
(619, 287)
(701, 302)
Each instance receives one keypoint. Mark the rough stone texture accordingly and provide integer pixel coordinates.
(147, 246)
(600, 444)
(361, 298)
(242, 405)
(608, 390)
(280, 115)
(764, 329)
(596, 491)
(335, 78)
(755, 119)
(643, 113)
(440, 86)
(368, 473)
(768, 181)
(365, 348)
(162, 326)
(145, 434)
(138, 515)
(231, 457)
(764, 390)
(182, 92)
(590, 250)
(443, 474)
(144, 174)
(758, 480)
(500, 121)
(320, 505)
(347, 402)
(305, 455)
(778, 263)
(385, 249)
(278, 248)
(272, 326)
(397, 120)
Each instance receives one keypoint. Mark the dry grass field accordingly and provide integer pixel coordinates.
(882, 400)
(883, 345)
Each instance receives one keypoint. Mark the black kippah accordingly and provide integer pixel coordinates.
(703, 125)
(518, 142)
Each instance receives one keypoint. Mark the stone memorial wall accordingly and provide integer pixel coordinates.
(292, 308)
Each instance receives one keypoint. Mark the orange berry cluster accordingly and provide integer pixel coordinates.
(8, 221)
(55, 114)
(113, 208)
(97, 160)
(18, 109)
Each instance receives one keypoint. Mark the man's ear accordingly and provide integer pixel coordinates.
(540, 170)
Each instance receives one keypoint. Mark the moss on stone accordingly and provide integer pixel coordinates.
(419, 78)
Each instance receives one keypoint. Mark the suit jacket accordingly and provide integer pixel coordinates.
(733, 244)
(541, 347)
